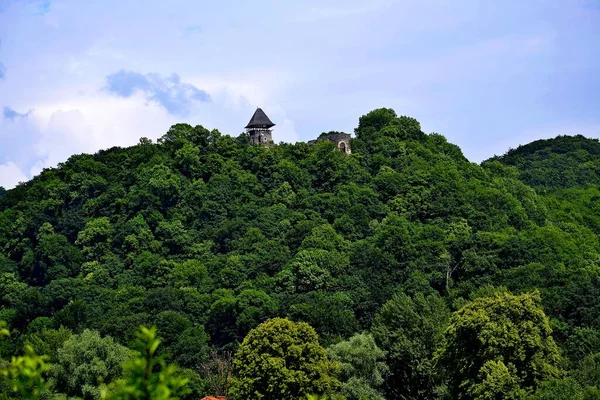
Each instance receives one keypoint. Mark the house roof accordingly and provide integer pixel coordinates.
(260, 120)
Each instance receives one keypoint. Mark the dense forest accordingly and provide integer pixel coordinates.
(203, 265)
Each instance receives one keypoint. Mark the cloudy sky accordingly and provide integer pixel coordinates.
(78, 76)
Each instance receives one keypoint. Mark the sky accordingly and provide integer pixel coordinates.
(80, 76)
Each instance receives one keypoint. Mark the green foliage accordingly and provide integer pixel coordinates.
(496, 381)
(562, 162)
(147, 377)
(408, 329)
(208, 237)
(48, 341)
(362, 367)
(231, 318)
(499, 344)
(190, 273)
(25, 374)
(281, 359)
(86, 361)
(563, 389)
(324, 397)
(190, 349)
(95, 239)
(588, 372)
(374, 121)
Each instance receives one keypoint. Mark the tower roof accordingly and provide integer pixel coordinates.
(260, 120)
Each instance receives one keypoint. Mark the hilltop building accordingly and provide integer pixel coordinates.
(260, 132)
(341, 140)
(259, 128)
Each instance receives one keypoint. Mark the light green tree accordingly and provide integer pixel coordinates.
(499, 344)
(25, 373)
(562, 389)
(85, 361)
(497, 382)
(190, 273)
(363, 367)
(96, 238)
(282, 360)
(147, 376)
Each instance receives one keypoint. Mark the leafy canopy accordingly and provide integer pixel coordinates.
(281, 359)
(499, 344)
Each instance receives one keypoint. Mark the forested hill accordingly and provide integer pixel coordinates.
(562, 162)
(206, 237)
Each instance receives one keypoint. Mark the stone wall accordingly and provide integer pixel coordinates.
(342, 141)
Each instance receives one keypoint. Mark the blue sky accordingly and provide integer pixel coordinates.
(78, 76)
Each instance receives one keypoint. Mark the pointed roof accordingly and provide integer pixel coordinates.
(260, 120)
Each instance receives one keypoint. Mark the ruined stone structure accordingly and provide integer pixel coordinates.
(260, 132)
(341, 140)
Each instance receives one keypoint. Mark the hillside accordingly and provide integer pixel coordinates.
(559, 163)
(206, 237)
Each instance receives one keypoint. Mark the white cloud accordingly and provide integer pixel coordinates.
(285, 132)
(91, 123)
(11, 175)
(83, 123)
(257, 88)
(93, 120)
(234, 99)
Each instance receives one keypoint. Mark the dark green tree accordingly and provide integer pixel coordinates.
(408, 329)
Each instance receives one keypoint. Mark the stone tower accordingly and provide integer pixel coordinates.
(259, 128)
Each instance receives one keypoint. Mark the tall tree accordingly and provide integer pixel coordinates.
(408, 330)
(363, 367)
(499, 344)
